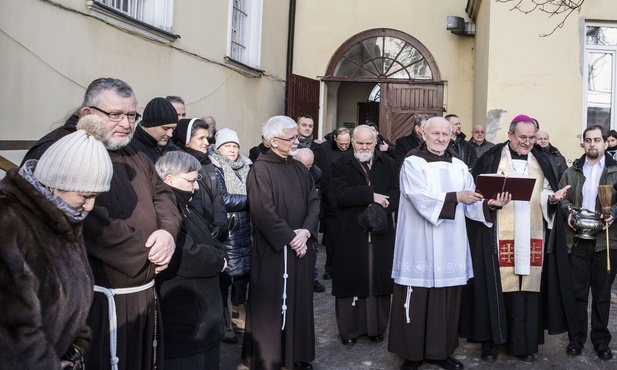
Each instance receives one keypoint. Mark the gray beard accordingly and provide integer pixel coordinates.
(115, 144)
(363, 157)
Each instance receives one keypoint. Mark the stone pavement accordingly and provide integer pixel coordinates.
(332, 355)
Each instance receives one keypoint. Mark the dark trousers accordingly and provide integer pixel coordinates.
(329, 227)
(239, 288)
(588, 269)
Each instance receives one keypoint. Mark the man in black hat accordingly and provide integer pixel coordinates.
(152, 134)
(363, 264)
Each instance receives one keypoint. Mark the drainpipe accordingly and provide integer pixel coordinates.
(290, 48)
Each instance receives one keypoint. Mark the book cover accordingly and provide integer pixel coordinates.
(491, 184)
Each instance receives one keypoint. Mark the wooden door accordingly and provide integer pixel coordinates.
(303, 98)
(400, 102)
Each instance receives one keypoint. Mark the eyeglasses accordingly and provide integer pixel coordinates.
(478, 132)
(526, 139)
(198, 178)
(289, 140)
(117, 117)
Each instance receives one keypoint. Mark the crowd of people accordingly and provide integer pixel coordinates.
(191, 242)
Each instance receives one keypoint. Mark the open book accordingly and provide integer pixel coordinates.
(491, 184)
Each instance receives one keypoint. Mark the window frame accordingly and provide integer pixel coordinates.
(121, 19)
(252, 33)
(606, 49)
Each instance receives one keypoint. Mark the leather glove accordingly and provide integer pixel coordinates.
(219, 233)
(73, 359)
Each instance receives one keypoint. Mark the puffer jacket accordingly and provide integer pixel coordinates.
(239, 242)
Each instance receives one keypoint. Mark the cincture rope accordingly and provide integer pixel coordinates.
(285, 276)
(406, 305)
(113, 318)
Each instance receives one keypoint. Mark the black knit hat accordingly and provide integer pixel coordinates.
(158, 112)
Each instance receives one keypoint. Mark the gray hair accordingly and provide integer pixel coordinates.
(275, 126)
(100, 85)
(364, 127)
(513, 125)
(176, 163)
(430, 121)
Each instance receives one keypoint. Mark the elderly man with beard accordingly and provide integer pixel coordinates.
(284, 203)
(361, 282)
(588, 259)
(129, 238)
(432, 260)
(502, 303)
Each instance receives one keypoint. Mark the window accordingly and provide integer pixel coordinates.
(383, 57)
(600, 70)
(150, 18)
(245, 32)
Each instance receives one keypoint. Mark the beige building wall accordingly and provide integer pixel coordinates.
(49, 60)
(523, 73)
(322, 26)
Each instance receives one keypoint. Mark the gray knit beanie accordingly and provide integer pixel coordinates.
(79, 161)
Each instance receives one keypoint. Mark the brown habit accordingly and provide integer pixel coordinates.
(115, 233)
(282, 198)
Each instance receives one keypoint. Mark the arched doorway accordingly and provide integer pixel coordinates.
(390, 65)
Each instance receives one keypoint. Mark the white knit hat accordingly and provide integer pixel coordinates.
(79, 161)
(224, 136)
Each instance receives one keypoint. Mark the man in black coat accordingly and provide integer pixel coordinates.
(361, 282)
(152, 135)
(407, 143)
(463, 148)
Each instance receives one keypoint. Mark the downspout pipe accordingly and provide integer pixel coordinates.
(290, 50)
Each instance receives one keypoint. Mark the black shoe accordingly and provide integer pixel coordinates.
(450, 363)
(327, 275)
(318, 287)
(490, 353)
(526, 358)
(376, 338)
(411, 365)
(604, 353)
(348, 342)
(574, 348)
(301, 365)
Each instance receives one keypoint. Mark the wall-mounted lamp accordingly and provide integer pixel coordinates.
(458, 26)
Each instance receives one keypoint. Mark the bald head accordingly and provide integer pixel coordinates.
(437, 135)
(305, 156)
(542, 138)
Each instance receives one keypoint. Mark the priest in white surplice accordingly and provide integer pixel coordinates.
(432, 260)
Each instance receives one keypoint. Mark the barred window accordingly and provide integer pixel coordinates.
(157, 13)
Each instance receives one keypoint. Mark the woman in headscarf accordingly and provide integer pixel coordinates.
(46, 284)
(189, 288)
(191, 136)
(232, 169)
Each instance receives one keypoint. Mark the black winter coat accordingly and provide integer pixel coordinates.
(464, 150)
(191, 303)
(46, 284)
(209, 199)
(328, 152)
(353, 195)
(143, 142)
(239, 242)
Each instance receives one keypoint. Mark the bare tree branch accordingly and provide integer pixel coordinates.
(561, 9)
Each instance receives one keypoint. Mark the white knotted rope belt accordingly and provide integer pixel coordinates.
(113, 318)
